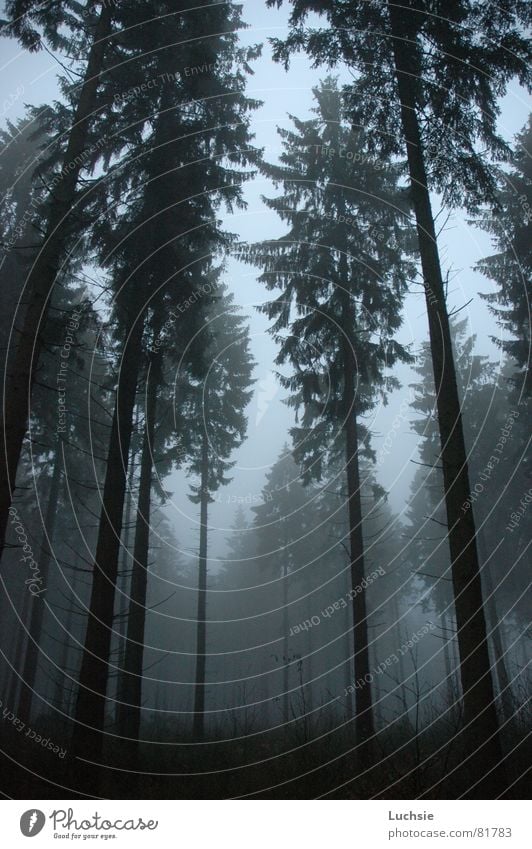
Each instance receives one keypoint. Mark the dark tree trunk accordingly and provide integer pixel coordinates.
(450, 671)
(364, 725)
(134, 653)
(480, 732)
(348, 669)
(42, 277)
(310, 667)
(18, 659)
(348, 666)
(199, 692)
(124, 586)
(29, 671)
(63, 681)
(90, 707)
(363, 699)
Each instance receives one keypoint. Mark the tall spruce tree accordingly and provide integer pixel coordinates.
(187, 172)
(221, 399)
(427, 506)
(342, 273)
(499, 474)
(510, 268)
(60, 424)
(281, 532)
(158, 451)
(33, 24)
(131, 691)
(429, 78)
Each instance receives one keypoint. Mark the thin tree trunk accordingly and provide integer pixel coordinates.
(132, 685)
(199, 692)
(29, 671)
(18, 659)
(364, 724)
(503, 678)
(310, 669)
(121, 626)
(480, 733)
(90, 707)
(402, 670)
(501, 670)
(62, 681)
(363, 699)
(43, 274)
(286, 659)
(447, 660)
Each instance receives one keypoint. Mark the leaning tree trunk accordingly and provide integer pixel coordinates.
(199, 692)
(364, 724)
(43, 274)
(90, 708)
(482, 771)
(29, 670)
(131, 691)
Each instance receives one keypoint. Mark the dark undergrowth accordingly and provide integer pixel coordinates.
(268, 765)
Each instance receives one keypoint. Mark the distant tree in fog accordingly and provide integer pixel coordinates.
(222, 396)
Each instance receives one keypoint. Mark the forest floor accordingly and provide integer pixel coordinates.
(258, 768)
